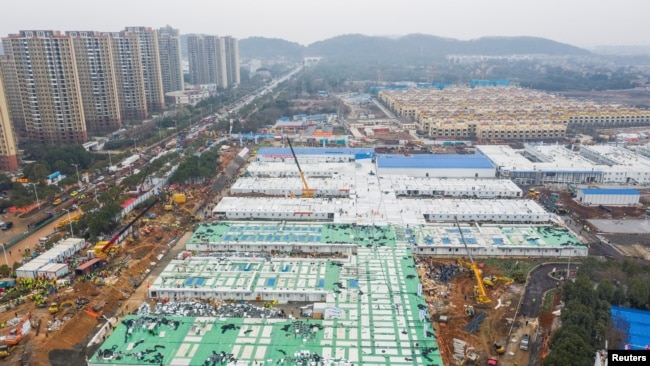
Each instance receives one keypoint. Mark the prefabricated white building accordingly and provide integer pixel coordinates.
(609, 197)
(30, 269)
(53, 270)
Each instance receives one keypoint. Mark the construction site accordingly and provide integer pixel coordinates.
(349, 270)
(66, 317)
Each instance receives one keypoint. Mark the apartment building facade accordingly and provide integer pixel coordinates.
(46, 75)
(169, 47)
(8, 149)
(94, 60)
(150, 59)
(213, 60)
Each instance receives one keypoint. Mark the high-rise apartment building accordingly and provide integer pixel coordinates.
(12, 94)
(213, 60)
(129, 78)
(169, 46)
(150, 59)
(47, 80)
(8, 151)
(231, 46)
(94, 59)
(197, 59)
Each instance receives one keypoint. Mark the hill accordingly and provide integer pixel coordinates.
(406, 49)
(414, 47)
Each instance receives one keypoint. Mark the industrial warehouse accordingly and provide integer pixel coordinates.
(344, 246)
(540, 164)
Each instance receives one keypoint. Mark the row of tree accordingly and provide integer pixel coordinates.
(585, 319)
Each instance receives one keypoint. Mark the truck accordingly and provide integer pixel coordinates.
(40, 220)
(525, 340)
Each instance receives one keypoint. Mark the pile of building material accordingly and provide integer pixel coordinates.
(464, 352)
(475, 324)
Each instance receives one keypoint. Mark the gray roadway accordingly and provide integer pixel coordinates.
(538, 283)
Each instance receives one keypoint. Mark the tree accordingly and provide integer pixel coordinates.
(606, 290)
(637, 293)
(5, 271)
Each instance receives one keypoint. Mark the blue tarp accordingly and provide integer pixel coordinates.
(638, 333)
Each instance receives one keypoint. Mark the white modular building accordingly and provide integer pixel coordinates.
(242, 208)
(243, 279)
(53, 270)
(272, 169)
(445, 240)
(57, 254)
(338, 186)
(608, 196)
(314, 155)
(439, 187)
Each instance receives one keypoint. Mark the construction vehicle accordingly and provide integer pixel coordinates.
(192, 216)
(469, 311)
(479, 289)
(499, 348)
(5, 350)
(16, 335)
(492, 280)
(533, 194)
(306, 192)
(65, 222)
(105, 249)
(55, 307)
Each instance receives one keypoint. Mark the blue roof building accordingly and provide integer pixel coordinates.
(635, 323)
(437, 165)
(608, 196)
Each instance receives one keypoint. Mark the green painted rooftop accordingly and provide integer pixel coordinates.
(379, 320)
(257, 232)
(494, 235)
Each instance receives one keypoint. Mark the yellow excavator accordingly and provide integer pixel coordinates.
(479, 289)
(306, 192)
(493, 280)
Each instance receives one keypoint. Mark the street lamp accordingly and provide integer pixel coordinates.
(69, 221)
(36, 193)
(76, 168)
(4, 250)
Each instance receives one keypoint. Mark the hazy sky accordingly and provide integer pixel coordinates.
(584, 23)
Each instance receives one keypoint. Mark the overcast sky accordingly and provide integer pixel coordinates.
(583, 23)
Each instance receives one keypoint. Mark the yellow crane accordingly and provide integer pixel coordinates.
(481, 294)
(306, 192)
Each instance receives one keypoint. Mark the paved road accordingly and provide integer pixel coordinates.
(538, 283)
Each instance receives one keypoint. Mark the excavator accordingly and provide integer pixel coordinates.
(306, 192)
(16, 335)
(492, 280)
(479, 289)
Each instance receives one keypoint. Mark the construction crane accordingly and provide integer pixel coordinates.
(481, 294)
(306, 192)
(144, 177)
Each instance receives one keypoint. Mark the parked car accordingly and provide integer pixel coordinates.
(6, 225)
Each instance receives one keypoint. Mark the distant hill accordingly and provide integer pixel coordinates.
(409, 48)
(425, 47)
(260, 47)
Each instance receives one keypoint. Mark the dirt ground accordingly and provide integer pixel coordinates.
(127, 270)
(453, 297)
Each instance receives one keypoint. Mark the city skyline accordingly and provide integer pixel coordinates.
(580, 23)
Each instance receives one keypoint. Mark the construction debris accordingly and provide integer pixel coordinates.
(475, 324)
